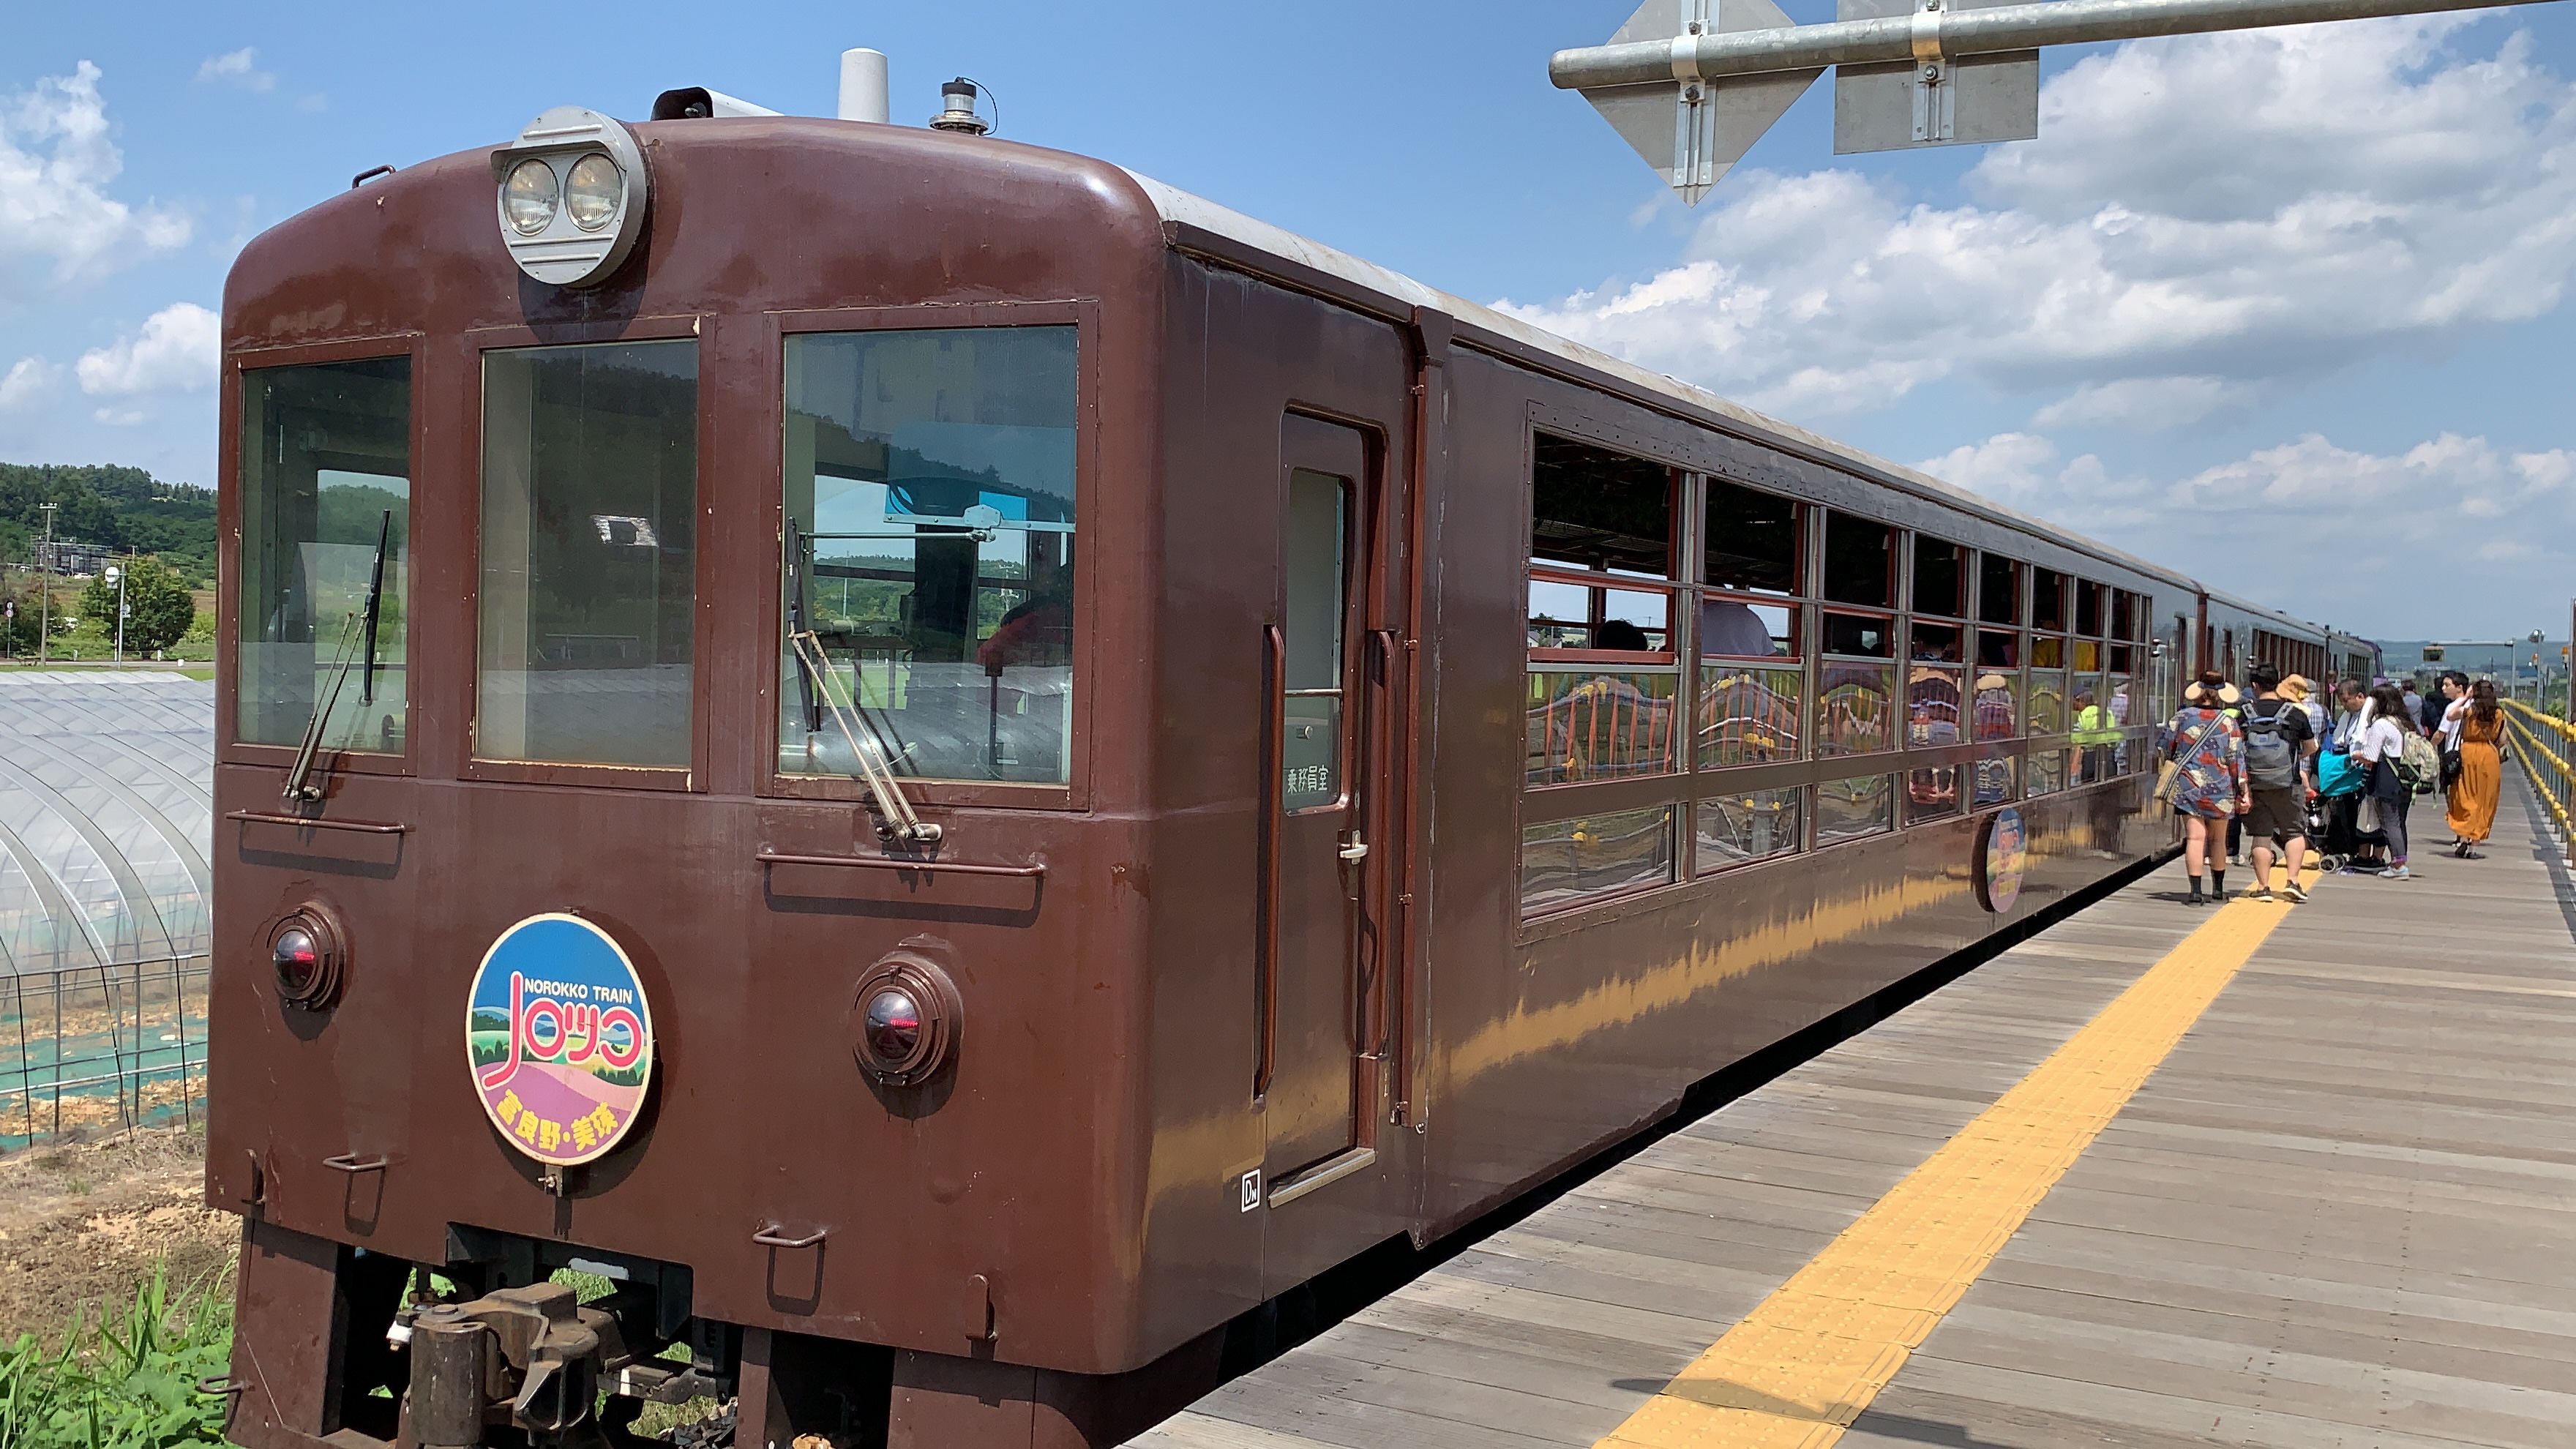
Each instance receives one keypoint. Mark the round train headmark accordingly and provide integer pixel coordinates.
(560, 1039)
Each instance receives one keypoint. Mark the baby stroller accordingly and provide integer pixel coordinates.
(2333, 814)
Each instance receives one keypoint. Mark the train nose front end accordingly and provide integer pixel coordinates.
(671, 823)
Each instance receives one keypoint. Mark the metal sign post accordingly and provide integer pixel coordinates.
(1692, 84)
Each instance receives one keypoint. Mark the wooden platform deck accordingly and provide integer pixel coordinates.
(2341, 1211)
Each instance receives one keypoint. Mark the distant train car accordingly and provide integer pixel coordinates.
(954, 769)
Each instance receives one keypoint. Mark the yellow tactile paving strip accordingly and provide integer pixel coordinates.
(1807, 1360)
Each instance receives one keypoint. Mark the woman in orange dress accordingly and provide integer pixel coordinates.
(2473, 796)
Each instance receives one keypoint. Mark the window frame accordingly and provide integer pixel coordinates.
(421, 675)
(1689, 786)
(705, 621)
(767, 456)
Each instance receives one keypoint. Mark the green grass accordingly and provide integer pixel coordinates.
(128, 1383)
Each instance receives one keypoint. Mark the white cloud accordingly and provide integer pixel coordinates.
(2144, 402)
(2366, 540)
(57, 222)
(2196, 214)
(26, 380)
(119, 417)
(239, 67)
(176, 350)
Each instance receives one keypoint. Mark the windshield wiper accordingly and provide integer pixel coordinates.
(299, 781)
(897, 820)
(375, 597)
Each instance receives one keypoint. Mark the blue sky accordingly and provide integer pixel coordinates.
(2282, 308)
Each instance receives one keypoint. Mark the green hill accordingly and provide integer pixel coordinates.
(123, 508)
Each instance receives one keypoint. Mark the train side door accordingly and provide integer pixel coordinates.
(1321, 796)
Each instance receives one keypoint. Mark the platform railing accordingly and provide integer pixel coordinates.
(102, 1049)
(2544, 744)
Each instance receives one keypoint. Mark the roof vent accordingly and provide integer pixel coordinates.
(863, 86)
(696, 103)
(957, 110)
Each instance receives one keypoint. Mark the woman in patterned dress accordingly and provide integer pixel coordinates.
(2209, 784)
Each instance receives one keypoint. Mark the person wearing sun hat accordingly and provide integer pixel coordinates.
(2207, 783)
(2296, 689)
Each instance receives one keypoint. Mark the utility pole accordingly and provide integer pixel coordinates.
(1692, 84)
(45, 616)
(116, 576)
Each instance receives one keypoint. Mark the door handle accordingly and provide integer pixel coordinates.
(1353, 847)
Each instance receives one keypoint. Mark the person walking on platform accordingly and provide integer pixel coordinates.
(2380, 743)
(2443, 715)
(2278, 746)
(2205, 780)
(2336, 777)
(2414, 704)
(2474, 794)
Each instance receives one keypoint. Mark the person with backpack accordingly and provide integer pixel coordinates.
(2380, 743)
(2278, 745)
(2204, 777)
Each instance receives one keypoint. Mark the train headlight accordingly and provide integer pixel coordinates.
(904, 1020)
(593, 191)
(572, 193)
(528, 197)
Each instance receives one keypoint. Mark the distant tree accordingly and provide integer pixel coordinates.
(21, 613)
(160, 604)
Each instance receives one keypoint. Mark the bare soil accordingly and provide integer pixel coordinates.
(82, 1223)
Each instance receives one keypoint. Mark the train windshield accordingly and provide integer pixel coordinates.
(589, 554)
(326, 476)
(929, 486)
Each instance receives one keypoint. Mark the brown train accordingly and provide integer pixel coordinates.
(956, 769)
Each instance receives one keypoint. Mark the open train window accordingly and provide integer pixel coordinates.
(2048, 600)
(1940, 577)
(1860, 559)
(1751, 541)
(588, 554)
(1596, 511)
(929, 490)
(1998, 590)
(325, 480)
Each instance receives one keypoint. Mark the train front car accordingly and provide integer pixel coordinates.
(682, 733)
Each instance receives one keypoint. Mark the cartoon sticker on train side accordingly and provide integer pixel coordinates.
(560, 1039)
(2003, 859)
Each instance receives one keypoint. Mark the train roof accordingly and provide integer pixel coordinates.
(1192, 221)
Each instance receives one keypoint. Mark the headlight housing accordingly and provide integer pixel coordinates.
(571, 192)
(904, 1020)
